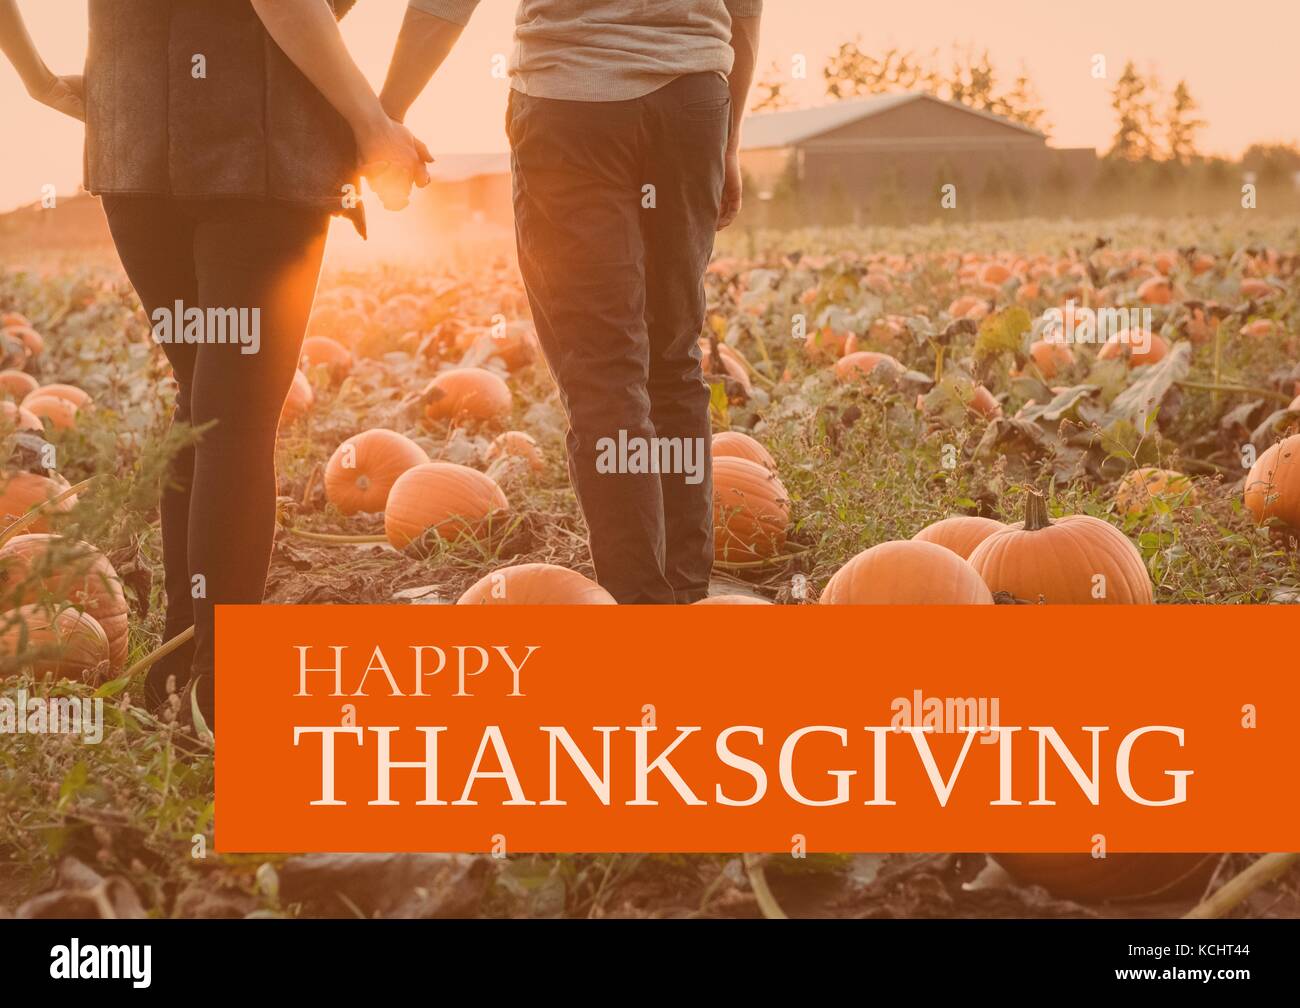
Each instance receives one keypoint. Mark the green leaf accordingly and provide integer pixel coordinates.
(1003, 332)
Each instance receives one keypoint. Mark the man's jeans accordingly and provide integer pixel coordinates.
(616, 204)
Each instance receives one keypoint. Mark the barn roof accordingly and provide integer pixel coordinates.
(791, 127)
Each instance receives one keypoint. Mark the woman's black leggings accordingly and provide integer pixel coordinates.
(218, 504)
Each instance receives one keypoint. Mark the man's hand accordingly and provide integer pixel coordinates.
(63, 94)
(731, 190)
(392, 160)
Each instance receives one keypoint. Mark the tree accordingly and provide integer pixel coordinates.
(1182, 125)
(770, 93)
(1134, 109)
(971, 80)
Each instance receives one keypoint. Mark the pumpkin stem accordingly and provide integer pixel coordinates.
(1036, 511)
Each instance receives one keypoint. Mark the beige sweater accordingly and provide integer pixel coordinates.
(611, 50)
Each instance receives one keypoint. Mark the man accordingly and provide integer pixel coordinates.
(624, 131)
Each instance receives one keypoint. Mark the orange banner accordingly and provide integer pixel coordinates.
(821, 728)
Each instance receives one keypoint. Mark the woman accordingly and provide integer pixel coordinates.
(222, 135)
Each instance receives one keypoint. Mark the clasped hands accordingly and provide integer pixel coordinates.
(392, 160)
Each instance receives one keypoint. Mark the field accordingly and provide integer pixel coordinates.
(973, 410)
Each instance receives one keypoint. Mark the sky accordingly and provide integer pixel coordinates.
(1238, 61)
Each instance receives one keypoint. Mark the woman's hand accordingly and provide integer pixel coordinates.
(63, 94)
(392, 160)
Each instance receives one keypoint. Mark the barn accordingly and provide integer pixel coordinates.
(851, 161)
(863, 152)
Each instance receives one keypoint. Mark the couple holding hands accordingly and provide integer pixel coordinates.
(222, 136)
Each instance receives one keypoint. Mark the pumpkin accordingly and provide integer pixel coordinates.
(1123, 346)
(364, 468)
(78, 397)
(471, 393)
(994, 275)
(1273, 484)
(21, 491)
(514, 344)
(826, 343)
(17, 384)
(441, 497)
(1260, 328)
(1155, 291)
(33, 341)
(751, 510)
(862, 366)
(1060, 562)
(321, 351)
(60, 412)
(982, 403)
(47, 568)
(14, 416)
(1087, 879)
(516, 444)
(535, 584)
(907, 572)
(1140, 489)
(1256, 289)
(960, 533)
(969, 306)
(298, 400)
(732, 600)
(731, 364)
(1050, 357)
(733, 444)
(58, 644)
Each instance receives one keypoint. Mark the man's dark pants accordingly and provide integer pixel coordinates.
(616, 204)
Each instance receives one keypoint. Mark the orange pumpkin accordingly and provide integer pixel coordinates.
(1256, 289)
(514, 344)
(1260, 328)
(58, 644)
(14, 416)
(1086, 879)
(467, 393)
(17, 384)
(22, 491)
(535, 584)
(732, 600)
(516, 444)
(733, 444)
(982, 403)
(907, 572)
(79, 398)
(60, 412)
(321, 351)
(730, 363)
(1050, 357)
(29, 337)
(994, 275)
(1273, 484)
(867, 365)
(364, 468)
(299, 399)
(960, 533)
(1078, 560)
(751, 510)
(441, 497)
(49, 569)
(1155, 291)
(1139, 490)
(1123, 346)
(826, 343)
